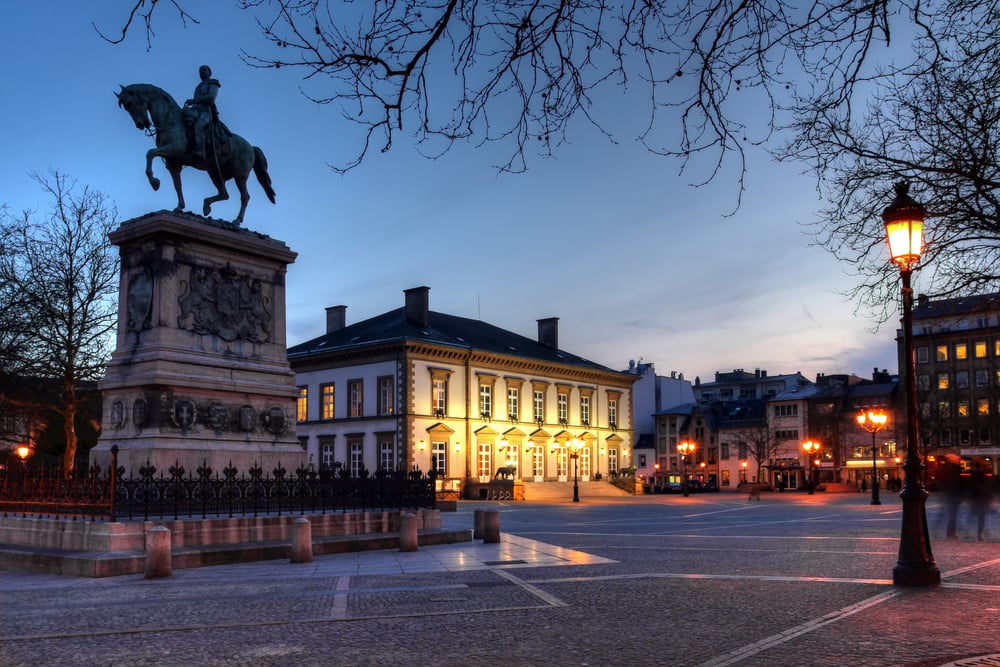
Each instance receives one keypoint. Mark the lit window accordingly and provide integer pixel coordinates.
(941, 352)
(539, 398)
(438, 460)
(485, 400)
(983, 406)
(980, 348)
(513, 403)
(942, 382)
(963, 409)
(326, 397)
(302, 405)
(585, 410)
(961, 351)
(439, 396)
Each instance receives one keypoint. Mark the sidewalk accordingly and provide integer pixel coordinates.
(706, 580)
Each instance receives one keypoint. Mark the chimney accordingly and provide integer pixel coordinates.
(548, 332)
(417, 305)
(336, 318)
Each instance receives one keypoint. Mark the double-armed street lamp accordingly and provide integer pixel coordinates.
(904, 226)
(575, 445)
(873, 421)
(811, 447)
(685, 448)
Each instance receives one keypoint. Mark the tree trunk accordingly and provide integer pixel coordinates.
(69, 427)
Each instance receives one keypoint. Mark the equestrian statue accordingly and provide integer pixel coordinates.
(194, 137)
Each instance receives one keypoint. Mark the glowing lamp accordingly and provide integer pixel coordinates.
(904, 227)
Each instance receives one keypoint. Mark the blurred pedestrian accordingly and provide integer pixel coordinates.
(951, 485)
(980, 497)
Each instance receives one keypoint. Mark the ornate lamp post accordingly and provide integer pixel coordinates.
(22, 452)
(686, 447)
(810, 447)
(873, 421)
(904, 226)
(575, 445)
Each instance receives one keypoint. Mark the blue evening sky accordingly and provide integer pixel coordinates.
(635, 262)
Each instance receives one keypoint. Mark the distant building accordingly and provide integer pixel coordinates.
(414, 388)
(651, 394)
(740, 385)
(957, 349)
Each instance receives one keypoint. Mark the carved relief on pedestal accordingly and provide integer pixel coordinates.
(248, 418)
(225, 302)
(139, 304)
(116, 416)
(140, 413)
(217, 416)
(183, 414)
(274, 420)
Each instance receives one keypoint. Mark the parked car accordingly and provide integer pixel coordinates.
(695, 486)
(672, 487)
(711, 486)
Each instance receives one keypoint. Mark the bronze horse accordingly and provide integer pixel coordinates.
(227, 156)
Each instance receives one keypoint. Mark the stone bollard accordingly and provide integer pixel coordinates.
(159, 561)
(491, 527)
(302, 546)
(408, 532)
(478, 523)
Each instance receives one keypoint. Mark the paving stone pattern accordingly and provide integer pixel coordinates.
(655, 580)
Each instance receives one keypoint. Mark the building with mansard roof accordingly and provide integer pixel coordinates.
(416, 388)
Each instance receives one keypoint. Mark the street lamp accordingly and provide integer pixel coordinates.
(873, 421)
(22, 452)
(685, 448)
(811, 447)
(904, 226)
(575, 445)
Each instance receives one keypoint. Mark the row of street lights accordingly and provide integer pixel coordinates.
(904, 223)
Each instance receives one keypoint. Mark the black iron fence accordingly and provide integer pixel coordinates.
(177, 493)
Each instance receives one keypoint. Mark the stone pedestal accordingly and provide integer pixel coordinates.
(200, 373)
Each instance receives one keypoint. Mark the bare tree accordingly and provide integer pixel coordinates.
(864, 92)
(63, 274)
(939, 129)
(519, 71)
(759, 443)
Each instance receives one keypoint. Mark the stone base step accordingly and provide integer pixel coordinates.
(539, 491)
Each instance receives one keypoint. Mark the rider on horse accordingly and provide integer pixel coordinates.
(201, 108)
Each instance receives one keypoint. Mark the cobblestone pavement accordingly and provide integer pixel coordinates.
(706, 580)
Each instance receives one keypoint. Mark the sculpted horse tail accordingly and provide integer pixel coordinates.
(260, 171)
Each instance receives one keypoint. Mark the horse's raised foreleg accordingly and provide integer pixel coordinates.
(153, 180)
(221, 196)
